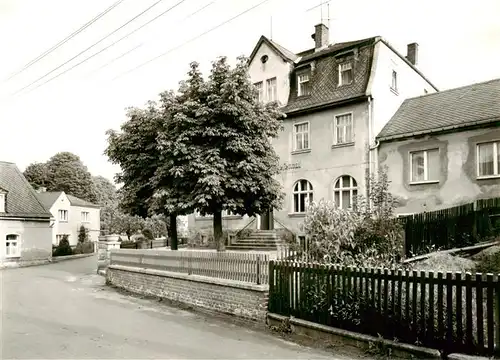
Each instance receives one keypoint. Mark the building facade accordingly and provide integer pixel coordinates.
(443, 150)
(337, 97)
(69, 213)
(25, 230)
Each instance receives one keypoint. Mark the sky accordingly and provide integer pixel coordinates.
(458, 45)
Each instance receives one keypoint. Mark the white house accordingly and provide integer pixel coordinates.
(69, 214)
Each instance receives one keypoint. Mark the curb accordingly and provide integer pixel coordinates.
(418, 351)
(71, 257)
(466, 357)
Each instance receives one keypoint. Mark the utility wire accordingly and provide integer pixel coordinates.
(90, 47)
(65, 40)
(190, 40)
(104, 49)
(129, 51)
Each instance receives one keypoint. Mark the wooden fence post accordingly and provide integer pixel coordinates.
(258, 269)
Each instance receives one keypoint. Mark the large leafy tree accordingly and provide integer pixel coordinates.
(217, 150)
(63, 172)
(107, 198)
(135, 150)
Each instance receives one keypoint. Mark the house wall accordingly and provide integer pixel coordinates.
(385, 100)
(35, 238)
(274, 67)
(93, 225)
(62, 227)
(325, 162)
(205, 224)
(458, 182)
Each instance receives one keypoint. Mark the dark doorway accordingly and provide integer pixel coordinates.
(266, 220)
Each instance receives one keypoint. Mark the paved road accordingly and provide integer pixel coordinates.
(64, 311)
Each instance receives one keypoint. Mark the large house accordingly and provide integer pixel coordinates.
(443, 149)
(69, 214)
(337, 97)
(25, 230)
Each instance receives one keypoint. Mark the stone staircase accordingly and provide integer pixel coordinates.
(262, 240)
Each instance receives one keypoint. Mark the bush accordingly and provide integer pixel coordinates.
(148, 234)
(63, 249)
(489, 264)
(84, 248)
(83, 235)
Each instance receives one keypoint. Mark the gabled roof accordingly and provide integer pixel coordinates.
(285, 54)
(48, 198)
(74, 201)
(21, 200)
(452, 109)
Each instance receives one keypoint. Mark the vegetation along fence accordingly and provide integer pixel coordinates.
(453, 227)
(452, 312)
(246, 267)
(147, 244)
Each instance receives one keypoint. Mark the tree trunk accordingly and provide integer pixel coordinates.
(218, 236)
(173, 231)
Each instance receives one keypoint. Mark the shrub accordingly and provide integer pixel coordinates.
(148, 234)
(489, 264)
(83, 235)
(84, 248)
(63, 248)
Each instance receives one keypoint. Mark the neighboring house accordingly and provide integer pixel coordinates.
(70, 213)
(25, 232)
(443, 149)
(337, 97)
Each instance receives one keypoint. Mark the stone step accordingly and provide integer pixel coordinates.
(244, 247)
(256, 240)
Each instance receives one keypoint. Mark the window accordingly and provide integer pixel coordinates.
(301, 134)
(85, 216)
(424, 165)
(488, 155)
(345, 192)
(2, 203)
(302, 196)
(345, 74)
(394, 85)
(343, 129)
(12, 246)
(63, 215)
(59, 237)
(260, 91)
(272, 90)
(304, 85)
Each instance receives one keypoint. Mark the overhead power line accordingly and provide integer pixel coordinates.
(91, 46)
(104, 49)
(65, 40)
(190, 40)
(133, 49)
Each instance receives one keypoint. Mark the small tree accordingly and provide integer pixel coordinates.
(63, 248)
(83, 235)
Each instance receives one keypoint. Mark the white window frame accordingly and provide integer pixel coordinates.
(60, 216)
(260, 90)
(300, 91)
(394, 81)
(18, 245)
(308, 133)
(342, 70)
(2, 202)
(272, 95)
(496, 154)
(426, 166)
(309, 191)
(335, 129)
(85, 216)
(341, 189)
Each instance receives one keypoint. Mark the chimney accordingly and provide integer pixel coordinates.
(41, 189)
(412, 53)
(321, 37)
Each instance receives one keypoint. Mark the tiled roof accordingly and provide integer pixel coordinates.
(325, 87)
(21, 199)
(285, 52)
(280, 50)
(48, 198)
(74, 201)
(445, 110)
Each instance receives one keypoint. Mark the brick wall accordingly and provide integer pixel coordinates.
(226, 296)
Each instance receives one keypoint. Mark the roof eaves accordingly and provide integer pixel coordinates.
(465, 126)
(409, 63)
(33, 192)
(272, 45)
(324, 105)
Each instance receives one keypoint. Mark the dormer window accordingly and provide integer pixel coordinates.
(304, 84)
(346, 75)
(2, 202)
